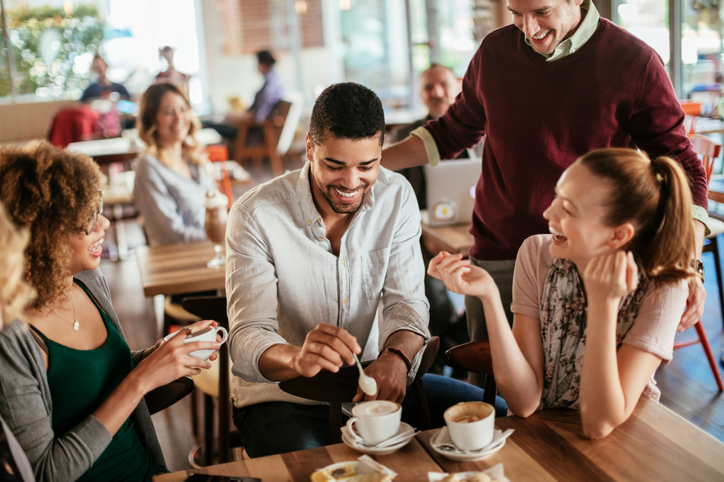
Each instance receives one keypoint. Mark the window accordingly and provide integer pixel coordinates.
(45, 48)
(52, 45)
(687, 34)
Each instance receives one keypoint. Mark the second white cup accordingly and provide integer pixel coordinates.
(375, 421)
(207, 334)
(471, 425)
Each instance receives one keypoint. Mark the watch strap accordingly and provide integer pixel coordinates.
(408, 363)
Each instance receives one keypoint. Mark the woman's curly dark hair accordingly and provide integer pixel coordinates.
(54, 194)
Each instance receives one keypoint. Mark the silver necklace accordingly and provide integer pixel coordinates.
(75, 323)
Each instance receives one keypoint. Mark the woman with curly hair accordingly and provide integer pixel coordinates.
(15, 294)
(173, 176)
(71, 388)
(597, 302)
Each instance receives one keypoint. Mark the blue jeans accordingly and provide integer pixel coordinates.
(278, 427)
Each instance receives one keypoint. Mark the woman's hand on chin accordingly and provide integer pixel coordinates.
(460, 277)
(610, 276)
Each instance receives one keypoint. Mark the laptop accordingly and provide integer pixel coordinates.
(451, 191)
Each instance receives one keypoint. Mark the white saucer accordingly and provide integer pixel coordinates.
(467, 456)
(365, 449)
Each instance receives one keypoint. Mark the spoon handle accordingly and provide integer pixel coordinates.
(359, 365)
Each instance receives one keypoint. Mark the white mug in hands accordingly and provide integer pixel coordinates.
(375, 421)
(471, 425)
(207, 334)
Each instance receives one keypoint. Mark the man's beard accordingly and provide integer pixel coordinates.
(341, 208)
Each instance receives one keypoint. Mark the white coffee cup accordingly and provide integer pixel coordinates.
(375, 421)
(471, 425)
(207, 334)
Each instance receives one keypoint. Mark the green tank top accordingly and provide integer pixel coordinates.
(80, 381)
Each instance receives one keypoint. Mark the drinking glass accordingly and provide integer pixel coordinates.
(215, 224)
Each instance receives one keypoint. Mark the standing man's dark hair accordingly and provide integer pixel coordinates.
(347, 111)
(265, 57)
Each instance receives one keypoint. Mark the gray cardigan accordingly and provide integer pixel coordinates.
(26, 405)
(172, 206)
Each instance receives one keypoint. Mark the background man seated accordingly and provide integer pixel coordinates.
(102, 87)
(310, 257)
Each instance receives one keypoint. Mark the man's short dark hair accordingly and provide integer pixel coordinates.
(265, 57)
(347, 111)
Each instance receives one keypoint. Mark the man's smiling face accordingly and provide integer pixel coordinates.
(343, 171)
(546, 23)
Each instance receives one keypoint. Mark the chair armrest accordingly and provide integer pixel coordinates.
(473, 356)
(428, 356)
(326, 386)
(165, 396)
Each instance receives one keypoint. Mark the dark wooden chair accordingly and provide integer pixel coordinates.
(341, 387)
(214, 308)
(474, 357)
(271, 131)
(165, 396)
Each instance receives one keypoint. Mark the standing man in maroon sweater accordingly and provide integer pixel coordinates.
(557, 84)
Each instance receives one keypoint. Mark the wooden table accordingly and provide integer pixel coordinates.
(453, 239)
(654, 444)
(108, 151)
(178, 268)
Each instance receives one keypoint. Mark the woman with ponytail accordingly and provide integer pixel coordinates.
(596, 303)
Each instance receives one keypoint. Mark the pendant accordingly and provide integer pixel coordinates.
(76, 325)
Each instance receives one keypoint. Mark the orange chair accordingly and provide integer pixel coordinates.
(220, 153)
(692, 110)
(709, 150)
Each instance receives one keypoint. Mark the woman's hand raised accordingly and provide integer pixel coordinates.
(170, 358)
(609, 277)
(460, 277)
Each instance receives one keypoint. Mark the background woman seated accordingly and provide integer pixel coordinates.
(596, 304)
(173, 176)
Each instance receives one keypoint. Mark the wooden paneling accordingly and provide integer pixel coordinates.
(253, 25)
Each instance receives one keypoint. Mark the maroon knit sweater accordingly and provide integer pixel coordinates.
(539, 117)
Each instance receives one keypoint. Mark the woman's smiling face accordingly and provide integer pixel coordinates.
(576, 216)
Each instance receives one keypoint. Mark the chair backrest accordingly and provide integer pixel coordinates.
(72, 124)
(692, 110)
(474, 357)
(295, 103)
(214, 308)
(341, 387)
(708, 150)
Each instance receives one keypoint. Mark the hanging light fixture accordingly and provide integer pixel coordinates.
(300, 6)
(345, 4)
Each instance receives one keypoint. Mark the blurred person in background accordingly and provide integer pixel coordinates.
(72, 390)
(102, 88)
(264, 101)
(171, 74)
(173, 175)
